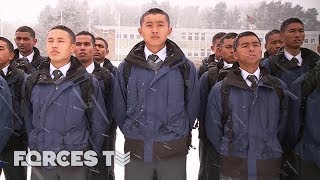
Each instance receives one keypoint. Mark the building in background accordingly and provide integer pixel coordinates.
(195, 43)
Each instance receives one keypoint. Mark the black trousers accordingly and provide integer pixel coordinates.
(307, 170)
(15, 143)
(209, 161)
(60, 173)
(101, 171)
(166, 169)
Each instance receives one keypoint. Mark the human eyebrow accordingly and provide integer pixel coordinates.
(245, 44)
(256, 43)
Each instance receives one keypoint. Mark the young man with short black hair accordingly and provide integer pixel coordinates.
(64, 107)
(156, 102)
(213, 59)
(84, 52)
(101, 51)
(273, 43)
(207, 153)
(18, 140)
(27, 57)
(244, 118)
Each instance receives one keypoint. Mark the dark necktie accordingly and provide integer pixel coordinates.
(152, 62)
(294, 61)
(153, 57)
(56, 74)
(2, 73)
(254, 80)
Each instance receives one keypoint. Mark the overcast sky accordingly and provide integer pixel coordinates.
(27, 11)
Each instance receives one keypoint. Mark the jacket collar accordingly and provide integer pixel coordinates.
(234, 78)
(37, 59)
(13, 72)
(75, 72)
(309, 58)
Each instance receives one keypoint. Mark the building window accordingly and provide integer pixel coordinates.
(189, 36)
(203, 54)
(131, 36)
(189, 54)
(195, 54)
(203, 37)
(196, 37)
(118, 36)
(306, 41)
(125, 36)
(313, 41)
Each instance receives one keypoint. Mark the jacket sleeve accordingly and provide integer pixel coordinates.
(26, 108)
(99, 117)
(6, 113)
(213, 120)
(110, 100)
(203, 95)
(119, 98)
(284, 130)
(203, 103)
(265, 64)
(193, 103)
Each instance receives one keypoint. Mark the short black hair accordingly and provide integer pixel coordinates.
(270, 33)
(289, 21)
(66, 29)
(154, 11)
(244, 34)
(217, 36)
(86, 33)
(105, 42)
(27, 29)
(230, 35)
(9, 44)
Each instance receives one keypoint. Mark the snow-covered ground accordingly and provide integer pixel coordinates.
(192, 159)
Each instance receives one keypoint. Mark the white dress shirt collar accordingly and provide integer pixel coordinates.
(227, 65)
(5, 70)
(64, 69)
(29, 57)
(90, 68)
(162, 54)
(245, 74)
(289, 57)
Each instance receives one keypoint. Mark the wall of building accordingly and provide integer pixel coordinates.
(195, 43)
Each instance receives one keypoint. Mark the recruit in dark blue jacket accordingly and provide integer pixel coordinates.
(55, 114)
(280, 67)
(257, 125)
(5, 113)
(307, 142)
(152, 111)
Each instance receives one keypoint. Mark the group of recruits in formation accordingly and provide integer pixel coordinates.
(258, 117)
